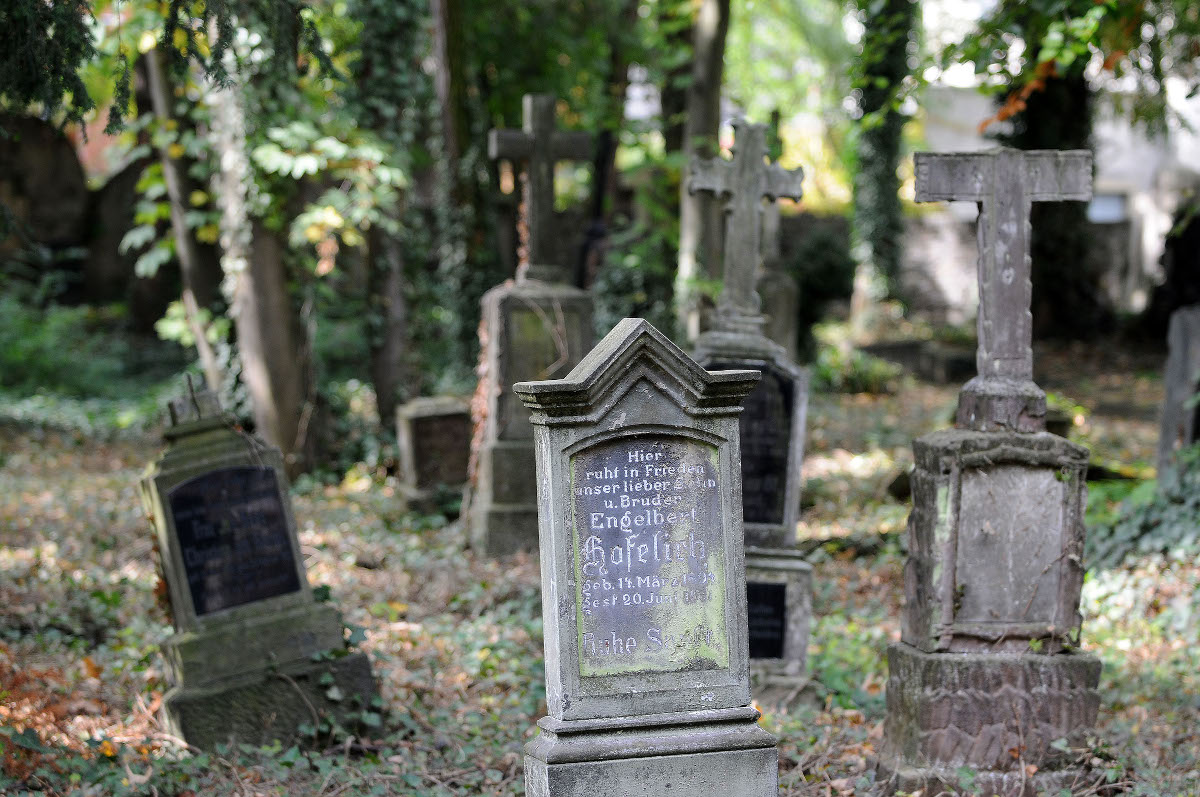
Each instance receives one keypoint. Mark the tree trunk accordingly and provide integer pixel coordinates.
(197, 292)
(388, 323)
(604, 172)
(700, 217)
(449, 83)
(275, 355)
(878, 215)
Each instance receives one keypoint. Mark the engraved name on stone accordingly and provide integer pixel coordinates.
(649, 559)
(233, 538)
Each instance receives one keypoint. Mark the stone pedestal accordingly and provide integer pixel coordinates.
(779, 616)
(981, 679)
(995, 714)
(531, 330)
(252, 648)
(713, 753)
(995, 542)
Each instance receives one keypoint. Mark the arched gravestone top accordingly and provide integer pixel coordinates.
(641, 531)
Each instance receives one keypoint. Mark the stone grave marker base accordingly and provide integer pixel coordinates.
(710, 753)
(215, 654)
(531, 330)
(946, 711)
(503, 505)
(982, 500)
(779, 598)
(270, 704)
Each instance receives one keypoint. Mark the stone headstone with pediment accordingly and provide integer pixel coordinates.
(1180, 413)
(985, 665)
(643, 587)
(535, 327)
(254, 657)
(772, 424)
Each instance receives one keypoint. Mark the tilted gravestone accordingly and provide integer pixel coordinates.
(773, 419)
(1181, 418)
(434, 438)
(983, 677)
(643, 599)
(537, 327)
(254, 657)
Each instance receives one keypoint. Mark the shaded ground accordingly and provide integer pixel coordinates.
(456, 641)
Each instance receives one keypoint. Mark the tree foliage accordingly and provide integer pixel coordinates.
(1131, 46)
(42, 48)
(881, 76)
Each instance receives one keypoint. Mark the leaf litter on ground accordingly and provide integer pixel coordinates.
(455, 639)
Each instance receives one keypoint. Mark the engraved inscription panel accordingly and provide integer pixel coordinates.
(766, 614)
(542, 341)
(1009, 545)
(766, 432)
(649, 557)
(233, 537)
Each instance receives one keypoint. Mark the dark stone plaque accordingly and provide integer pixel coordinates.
(766, 611)
(233, 538)
(649, 557)
(442, 446)
(766, 432)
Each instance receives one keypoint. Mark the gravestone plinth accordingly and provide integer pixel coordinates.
(242, 661)
(643, 579)
(534, 330)
(1180, 422)
(772, 423)
(983, 677)
(434, 438)
(537, 326)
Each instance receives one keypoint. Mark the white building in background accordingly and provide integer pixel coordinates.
(1140, 180)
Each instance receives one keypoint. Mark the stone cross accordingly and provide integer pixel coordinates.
(745, 181)
(540, 146)
(1004, 183)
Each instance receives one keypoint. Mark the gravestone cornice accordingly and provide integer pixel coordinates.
(627, 355)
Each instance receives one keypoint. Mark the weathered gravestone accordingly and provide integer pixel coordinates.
(1180, 418)
(254, 657)
(778, 288)
(643, 598)
(772, 423)
(983, 677)
(434, 438)
(537, 327)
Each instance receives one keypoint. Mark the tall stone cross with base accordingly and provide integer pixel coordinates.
(540, 146)
(987, 673)
(533, 328)
(745, 181)
(771, 425)
(1004, 183)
